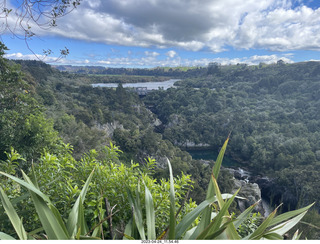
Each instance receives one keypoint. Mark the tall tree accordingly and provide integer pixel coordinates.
(22, 122)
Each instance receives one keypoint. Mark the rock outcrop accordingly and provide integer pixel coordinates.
(110, 127)
(250, 190)
(252, 194)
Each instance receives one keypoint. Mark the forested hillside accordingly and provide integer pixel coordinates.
(270, 111)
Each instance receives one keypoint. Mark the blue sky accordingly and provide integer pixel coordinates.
(152, 33)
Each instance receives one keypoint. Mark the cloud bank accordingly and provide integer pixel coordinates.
(153, 60)
(214, 25)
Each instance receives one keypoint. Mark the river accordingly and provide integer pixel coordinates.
(206, 154)
(154, 85)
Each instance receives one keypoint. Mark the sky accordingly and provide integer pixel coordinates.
(162, 33)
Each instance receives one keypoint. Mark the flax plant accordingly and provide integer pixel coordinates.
(52, 223)
(215, 220)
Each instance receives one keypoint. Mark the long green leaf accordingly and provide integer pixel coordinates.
(218, 163)
(285, 216)
(82, 224)
(216, 223)
(231, 232)
(88, 238)
(261, 230)
(138, 208)
(217, 191)
(29, 186)
(151, 226)
(52, 225)
(172, 205)
(58, 218)
(218, 233)
(273, 236)
(72, 223)
(206, 215)
(244, 215)
(187, 221)
(13, 216)
(296, 235)
(188, 234)
(4, 236)
(137, 214)
(127, 235)
(288, 225)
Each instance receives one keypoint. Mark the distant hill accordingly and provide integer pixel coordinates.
(157, 71)
(80, 69)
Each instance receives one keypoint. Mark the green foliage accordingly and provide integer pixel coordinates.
(60, 175)
(309, 226)
(272, 111)
(50, 218)
(274, 123)
(249, 225)
(215, 221)
(22, 122)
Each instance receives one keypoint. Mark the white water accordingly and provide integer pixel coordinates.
(267, 208)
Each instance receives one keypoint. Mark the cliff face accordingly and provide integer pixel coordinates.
(251, 192)
(110, 127)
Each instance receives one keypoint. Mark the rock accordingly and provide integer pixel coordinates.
(157, 122)
(240, 174)
(251, 192)
(110, 127)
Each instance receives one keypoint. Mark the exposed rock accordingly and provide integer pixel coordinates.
(110, 127)
(192, 145)
(251, 192)
(157, 122)
(240, 174)
(162, 162)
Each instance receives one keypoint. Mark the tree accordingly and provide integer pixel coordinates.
(22, 122)
(25, 15)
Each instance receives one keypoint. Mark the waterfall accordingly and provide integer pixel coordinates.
(266, 207)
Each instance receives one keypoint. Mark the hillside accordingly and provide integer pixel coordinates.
(270, 110)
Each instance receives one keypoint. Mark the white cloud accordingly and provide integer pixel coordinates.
(38, 57)
(171, 53)
(151, 54)
(281, 30)
(252, 60)
(193, 25)
(153, 59)
(178, 61)
(216, 25)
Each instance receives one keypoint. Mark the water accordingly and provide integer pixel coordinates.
(267, 208)
(149, 85)
(212, 155)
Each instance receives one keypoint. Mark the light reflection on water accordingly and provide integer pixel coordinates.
(149, 85)
(207, 154)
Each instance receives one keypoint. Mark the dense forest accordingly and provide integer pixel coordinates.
(272, 111)
(54, 119)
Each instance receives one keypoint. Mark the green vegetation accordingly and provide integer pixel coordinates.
(220, 226)
(56, 128)
(272, 111)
